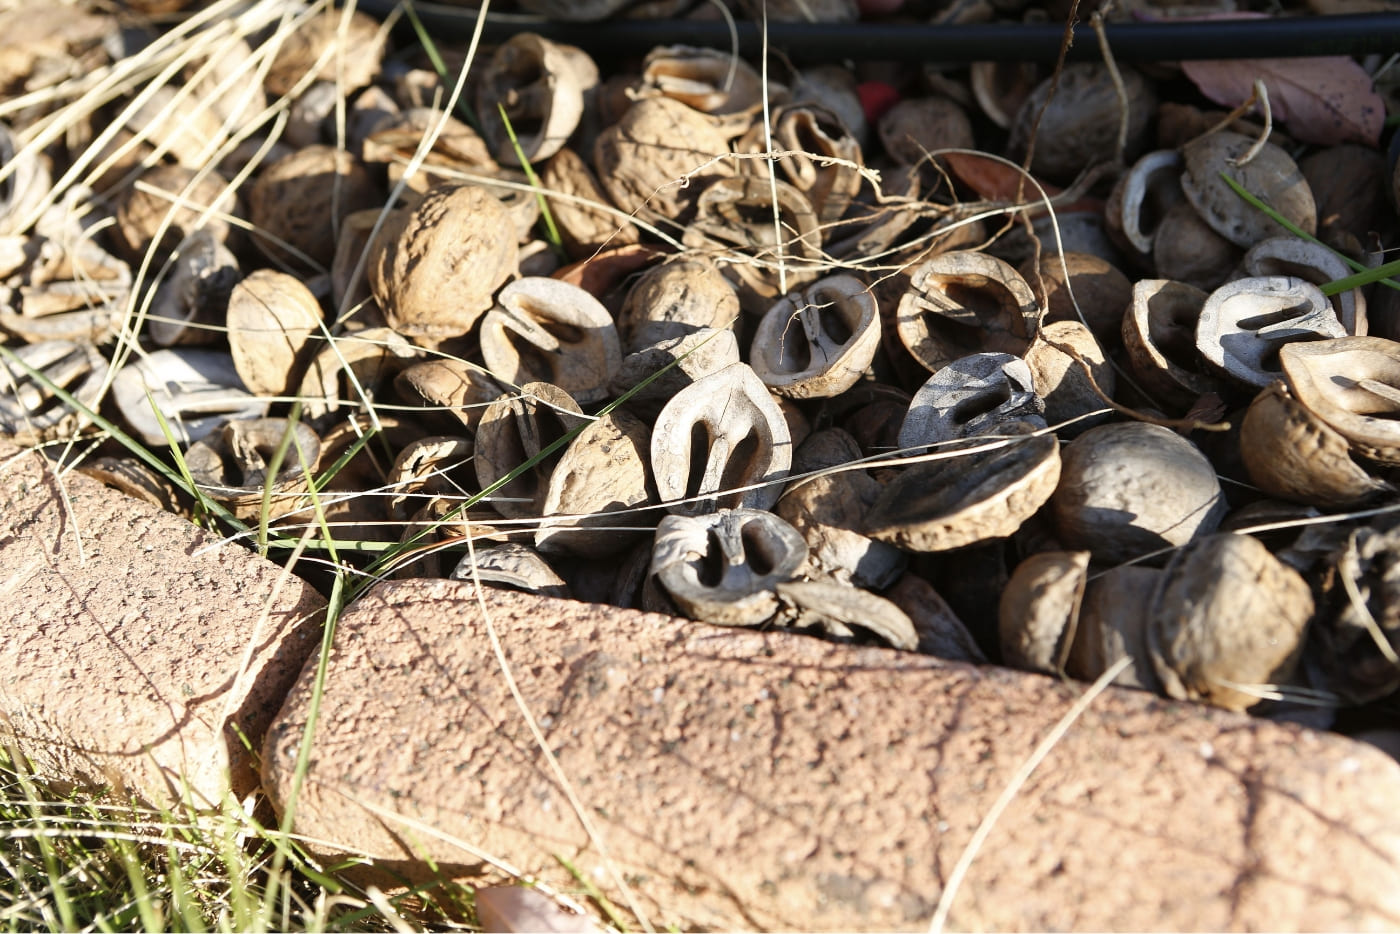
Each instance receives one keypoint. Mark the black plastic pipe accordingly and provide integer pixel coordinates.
(1282, 37)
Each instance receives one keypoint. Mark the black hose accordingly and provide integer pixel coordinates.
(1281, 37)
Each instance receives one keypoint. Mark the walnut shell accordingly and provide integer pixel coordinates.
(658, 158)
(1128, 489)
(358, 43)
(440, 273)
(297, 203)
(271, 316)
(1292, 454)
(1227, 622)
(179, 208)
(1271, 176)
(1079, 128)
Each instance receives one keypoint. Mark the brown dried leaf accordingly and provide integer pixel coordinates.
(1322, 100)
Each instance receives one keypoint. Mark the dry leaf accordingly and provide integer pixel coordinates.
(1322, 100)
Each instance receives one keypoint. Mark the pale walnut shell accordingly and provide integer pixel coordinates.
(456, 146)
(514, 429)
(600, 481)
(658, 158)
(439, 273)
(271, 316)
(1100, 288)
(823, 159)
(674, 299)
(829, 512)
(429, 467)
(586, 219)
(1187, 249)
(722, 567)
(300, 201)
(818, 342)
(963, 302)
(354, 63)
(941, 631)
(1270, 175)
(143, 212)
(541, 86)
(1061, 381)
(916, 127)
(1292, 454)
(837, 610)
(231, 466)
(1353, 385)
(546, 330)
(1159, 335)
(728, 428)
(1227, 622)
(1113, 615)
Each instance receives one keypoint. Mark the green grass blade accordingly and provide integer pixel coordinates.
(556, 243)
(430, 49)
(1364, 275)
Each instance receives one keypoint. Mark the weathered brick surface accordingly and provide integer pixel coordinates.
(745, 780)
(133, 649)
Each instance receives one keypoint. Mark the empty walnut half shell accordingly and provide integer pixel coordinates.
(603, 473)
(1305, 259)
(1243, 324)
(428, 468)
(1292, 454)
(546, 330)
(962, 302)
(727, 88)
(514, 429)
(717, 438)
(734, 222)
(1353, 385)
(32, 413)
(819, 342)
(972, 395)
(195, 390)
(723, 567)
(541, 86)
(967, 497)
(823, 159)
(1159, 334)
(1141, 198)
(1227, 622)
(511, 565)
(834, 608)
(192, 300)
(231, 465)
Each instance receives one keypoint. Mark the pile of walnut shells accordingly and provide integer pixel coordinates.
(856, 400)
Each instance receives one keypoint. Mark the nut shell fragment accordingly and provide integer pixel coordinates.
(1269, 175)
(603, 472)
(819, 342)
(967, 498)
(271, 316)
(964, 302)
